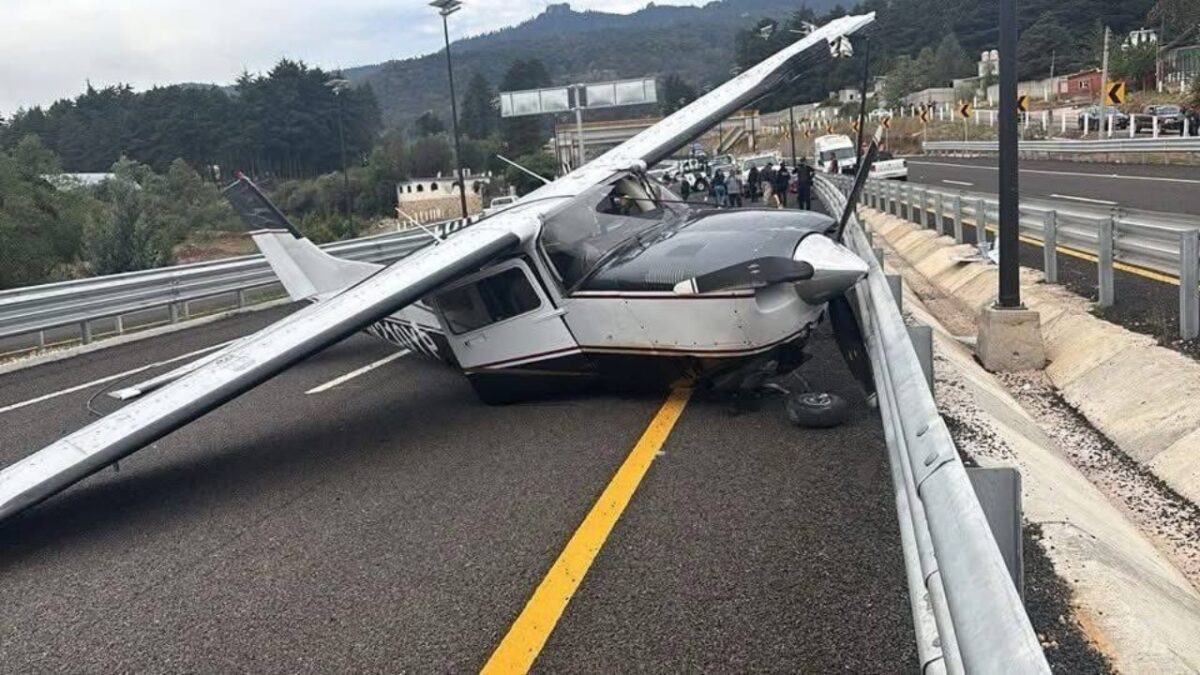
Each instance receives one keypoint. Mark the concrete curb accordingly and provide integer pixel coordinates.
(1141, 396)
(71, 352)
(1134, 604)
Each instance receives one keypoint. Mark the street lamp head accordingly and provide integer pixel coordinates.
(446, 7)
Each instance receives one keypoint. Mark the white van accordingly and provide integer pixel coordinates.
(834, 146)
(840, 146)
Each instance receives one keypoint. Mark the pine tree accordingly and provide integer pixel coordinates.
(479, 114)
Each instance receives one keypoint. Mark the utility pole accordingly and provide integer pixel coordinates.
(1104, 86)
(1053, 84)
(862, 107)
(1009, 336)
(1009, 217)
(792, 131)
(446, 8)
(338, 86)
(579, 125)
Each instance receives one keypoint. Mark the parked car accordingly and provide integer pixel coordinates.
(1096, 115)
(1170, 118)
(499, 203)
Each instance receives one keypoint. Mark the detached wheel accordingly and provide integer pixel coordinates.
(817, 410)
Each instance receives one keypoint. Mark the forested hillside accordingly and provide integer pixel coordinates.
(695, 42)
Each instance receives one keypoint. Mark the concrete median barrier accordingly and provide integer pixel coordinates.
(1140, 395)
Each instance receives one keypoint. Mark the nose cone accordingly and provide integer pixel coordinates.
(835, 268)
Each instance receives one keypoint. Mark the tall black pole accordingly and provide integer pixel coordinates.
(462, 181)
(862, 106)
(345, 167)
(1010, 288)
(792, 131)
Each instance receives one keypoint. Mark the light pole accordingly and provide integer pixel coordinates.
(1009, 194)
(446, 8)
(338, 86)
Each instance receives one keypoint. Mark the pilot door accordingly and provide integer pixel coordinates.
(500, 320)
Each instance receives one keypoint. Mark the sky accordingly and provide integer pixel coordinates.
(50, 49)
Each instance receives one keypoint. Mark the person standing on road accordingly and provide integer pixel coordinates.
(804, 181)
(781, 186)
(752, 183)
(733, 185)
(685, 188)
(720, 191)
(766, 180)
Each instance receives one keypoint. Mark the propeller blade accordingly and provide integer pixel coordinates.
(849, 338)
(755, 273)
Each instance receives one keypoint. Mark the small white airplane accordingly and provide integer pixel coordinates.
(602, 277)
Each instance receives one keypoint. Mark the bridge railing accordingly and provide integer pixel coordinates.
(80, 302)
(1164, 246)
(967, 614)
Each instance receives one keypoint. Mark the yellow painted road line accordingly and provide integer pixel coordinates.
(528, 634)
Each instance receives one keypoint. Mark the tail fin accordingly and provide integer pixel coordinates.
(306, 271)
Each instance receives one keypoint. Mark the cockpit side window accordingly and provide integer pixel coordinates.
(489, 300)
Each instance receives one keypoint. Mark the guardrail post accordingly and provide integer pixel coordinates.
(940, 213)
(241, 298)
(119, 325)
(1050, 246)
(895, 205)
(173, 310)
(1105, 262)
(41, 339)
(958, 218)
(922, 341)
(85, 332)
(897, 285)
(1189, 284)
(980, 223)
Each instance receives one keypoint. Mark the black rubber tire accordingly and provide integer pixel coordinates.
(817, 410)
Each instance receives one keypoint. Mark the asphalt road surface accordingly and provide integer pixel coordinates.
(1172, 189)
(393, 523)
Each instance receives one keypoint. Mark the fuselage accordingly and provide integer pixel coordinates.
(541, 321)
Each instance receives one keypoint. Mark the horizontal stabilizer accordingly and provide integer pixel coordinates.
(251, 362)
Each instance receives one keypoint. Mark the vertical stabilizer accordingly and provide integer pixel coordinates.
(304, 269)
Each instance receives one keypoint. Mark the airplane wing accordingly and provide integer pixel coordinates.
(248, 364)
(255, 359)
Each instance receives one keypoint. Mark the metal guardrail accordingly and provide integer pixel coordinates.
(1105, 145)
(1163, 244)
(35, 309)
(967, 614)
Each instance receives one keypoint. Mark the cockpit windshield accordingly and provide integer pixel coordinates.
(597, 222)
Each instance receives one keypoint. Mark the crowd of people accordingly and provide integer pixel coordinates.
(772, 186)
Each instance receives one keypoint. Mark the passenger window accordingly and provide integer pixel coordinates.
(487, 301)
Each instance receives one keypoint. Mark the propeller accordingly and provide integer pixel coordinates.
(860, 180)
(755, 273)
(847, 331)
(848, 335)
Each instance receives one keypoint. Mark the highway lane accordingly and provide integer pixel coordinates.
(1173, 189)
(392, 522)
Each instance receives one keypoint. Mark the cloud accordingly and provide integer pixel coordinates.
(49, 49)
